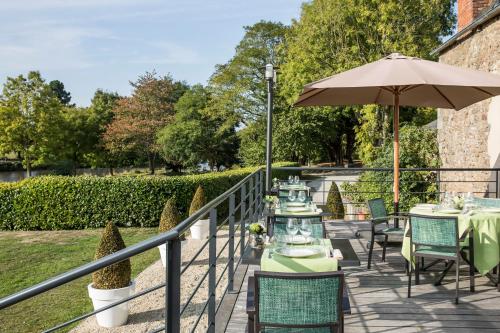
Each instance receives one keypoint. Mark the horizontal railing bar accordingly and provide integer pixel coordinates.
(220, 302)
(199, 317)
(361, 169)
(126, 299)
(196, 255)
(194, 292)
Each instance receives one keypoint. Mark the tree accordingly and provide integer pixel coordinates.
(198, 134)
(30, 116)
(58, 88)
(253, 143)
(332, 36)
(138, 118)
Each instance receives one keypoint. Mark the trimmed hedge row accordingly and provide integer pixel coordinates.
(60, 202)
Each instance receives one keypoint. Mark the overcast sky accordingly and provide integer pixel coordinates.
(90, 44)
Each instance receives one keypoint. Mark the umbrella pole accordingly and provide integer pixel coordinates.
(396, 155)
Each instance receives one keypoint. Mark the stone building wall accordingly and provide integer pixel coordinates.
(470, 138)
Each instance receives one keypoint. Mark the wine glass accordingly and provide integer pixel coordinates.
(302, 196)
(297, 180)
(291, 195)
(306, 228)
(468, 201)
(290, 179)
(292, 227)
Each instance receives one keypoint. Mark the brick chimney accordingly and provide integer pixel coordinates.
(468, 10)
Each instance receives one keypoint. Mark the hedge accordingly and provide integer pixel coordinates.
(65, 202)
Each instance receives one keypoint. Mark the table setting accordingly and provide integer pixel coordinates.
(484, 222)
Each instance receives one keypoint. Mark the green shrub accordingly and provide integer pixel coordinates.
(113, 276)
(199, 200)
(60, 202)
(334, 202)
(170, 216)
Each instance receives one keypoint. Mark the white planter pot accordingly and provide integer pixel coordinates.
(116, 316)
(163, 252)
(200, 230)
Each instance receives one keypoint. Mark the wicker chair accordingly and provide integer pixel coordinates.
(380, 216)
(296, 302)
(438, 238)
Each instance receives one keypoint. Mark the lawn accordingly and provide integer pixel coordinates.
(30, 257)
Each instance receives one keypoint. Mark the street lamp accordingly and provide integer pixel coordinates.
(271, 79)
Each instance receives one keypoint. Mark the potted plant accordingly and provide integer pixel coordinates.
(170, 217)
(256, 231)
(111, 283)
(334, 202)
(201, 228)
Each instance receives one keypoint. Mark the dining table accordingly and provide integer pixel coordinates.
(485, 224)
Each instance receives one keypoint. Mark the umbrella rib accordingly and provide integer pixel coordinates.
(319, 91)
(378, 95)
(484, 91)
(407, 88)
(444, 96)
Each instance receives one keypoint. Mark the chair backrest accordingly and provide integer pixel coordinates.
(300, 300)
(377, 209)
(487, 202)
(434, 230)
(279, 227)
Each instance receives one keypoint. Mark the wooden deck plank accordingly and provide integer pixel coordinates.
(379, 303)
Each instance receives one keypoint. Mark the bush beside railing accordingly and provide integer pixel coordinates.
(60, 202)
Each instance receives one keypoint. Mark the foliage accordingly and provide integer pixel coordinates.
(138, 118)
(59, 202)
(170, 216)
(199, 200)
(238, 85)
(418, 149)
(117, 275)
(58, 89)
(332, 36)
(253, 143)
(197, 135)
(30, 118)
(62, 251)
(256, 228)
(334, 202)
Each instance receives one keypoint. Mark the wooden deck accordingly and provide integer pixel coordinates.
(379, 303)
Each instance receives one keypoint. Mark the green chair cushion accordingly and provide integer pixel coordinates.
(448, 251)
(393, 231)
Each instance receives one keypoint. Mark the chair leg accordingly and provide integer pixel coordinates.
(422, 262)
(409, 279)
(457, 277)
(407, 270)
(384, 248)
(498, 277)
(472, 268)
(417, 272)
(370, 252)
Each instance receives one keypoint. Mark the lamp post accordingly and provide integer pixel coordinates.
(270, 78)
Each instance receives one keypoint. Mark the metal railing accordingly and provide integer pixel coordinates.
(248, 193)
(482, 182)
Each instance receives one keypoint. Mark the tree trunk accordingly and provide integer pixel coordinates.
(351, 139)
(111, 171)
(28, 166)
(151, 159)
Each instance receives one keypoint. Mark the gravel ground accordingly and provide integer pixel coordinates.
(147, 312)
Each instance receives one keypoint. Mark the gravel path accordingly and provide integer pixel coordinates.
(147, 312)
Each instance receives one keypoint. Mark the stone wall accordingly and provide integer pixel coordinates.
(467, 138)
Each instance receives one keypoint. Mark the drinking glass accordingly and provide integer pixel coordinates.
(291, 195)
(292, 227)
(290, 180)
(306, 228)
(302, 196)
(297, 180)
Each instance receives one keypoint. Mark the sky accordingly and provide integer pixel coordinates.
(91, 44)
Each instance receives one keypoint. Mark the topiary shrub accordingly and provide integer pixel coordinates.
(170, 216)
(117, 275)
(334, 202)
(199, 200)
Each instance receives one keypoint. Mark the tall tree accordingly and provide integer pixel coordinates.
(30, 115)
(138, 118)
(198, 134)
(336, 35)
(58, 88)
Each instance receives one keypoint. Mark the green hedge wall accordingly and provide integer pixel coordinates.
(61, 202)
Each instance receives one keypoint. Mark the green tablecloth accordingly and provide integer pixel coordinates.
(486, 227)
(296, 187)
(318, 263)
(312, 213)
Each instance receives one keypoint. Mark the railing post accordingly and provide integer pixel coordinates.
(262, 191)
(243, 209)
(250, 199)
(212, 257)
(230, 268)
(256, 197)
(173, 287)
(496, 189)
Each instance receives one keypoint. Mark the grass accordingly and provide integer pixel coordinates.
(27, 258)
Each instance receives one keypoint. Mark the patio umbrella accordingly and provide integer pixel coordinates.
(399, 80)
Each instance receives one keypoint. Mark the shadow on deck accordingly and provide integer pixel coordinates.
(378, 297)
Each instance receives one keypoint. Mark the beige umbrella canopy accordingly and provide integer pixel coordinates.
(399, 80)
